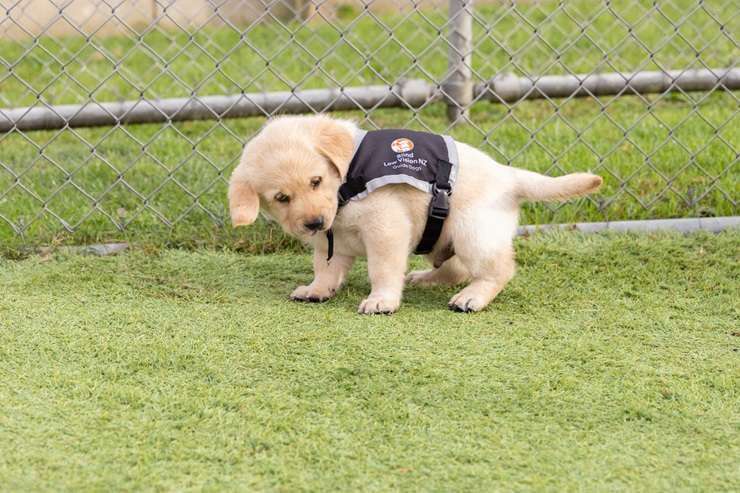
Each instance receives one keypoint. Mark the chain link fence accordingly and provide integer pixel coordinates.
(126, 118)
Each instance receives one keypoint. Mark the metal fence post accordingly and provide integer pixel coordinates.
(458, 85)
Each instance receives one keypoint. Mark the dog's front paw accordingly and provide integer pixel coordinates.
(375, 304)
(311, 294)
(466, 302)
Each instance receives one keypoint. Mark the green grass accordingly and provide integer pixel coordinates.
(662, 156)
(609, 363)
(363, 49)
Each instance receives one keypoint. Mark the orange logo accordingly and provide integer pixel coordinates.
(402, 145)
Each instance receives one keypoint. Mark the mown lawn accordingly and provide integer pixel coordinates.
(668, 155)
(609, 363)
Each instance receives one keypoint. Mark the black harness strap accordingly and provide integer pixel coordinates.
(439, 208)
(353, 186)
(330, 241)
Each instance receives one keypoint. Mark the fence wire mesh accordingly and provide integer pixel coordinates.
(666, 151)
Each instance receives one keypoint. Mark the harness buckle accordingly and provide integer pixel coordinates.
(341, 200)
(439, 208)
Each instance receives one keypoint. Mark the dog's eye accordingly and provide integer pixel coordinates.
(315, 182)
(281, 197)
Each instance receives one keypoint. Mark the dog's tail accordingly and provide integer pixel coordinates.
(535, 187)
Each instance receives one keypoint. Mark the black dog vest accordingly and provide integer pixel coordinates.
(422, 160)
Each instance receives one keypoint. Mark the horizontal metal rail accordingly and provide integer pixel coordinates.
(509, 88)
(409, 94)
(94, 114)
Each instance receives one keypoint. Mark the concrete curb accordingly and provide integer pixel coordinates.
(686, 225)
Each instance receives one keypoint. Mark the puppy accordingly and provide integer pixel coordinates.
(292, 171)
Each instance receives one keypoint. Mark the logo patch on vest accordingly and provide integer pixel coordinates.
(402, 145)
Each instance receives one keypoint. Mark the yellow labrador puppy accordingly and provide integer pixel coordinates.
(292, 171)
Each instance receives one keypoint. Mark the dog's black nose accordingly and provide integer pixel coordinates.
(315, 224)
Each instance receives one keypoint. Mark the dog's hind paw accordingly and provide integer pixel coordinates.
(420, 277)
(465, 303)
(311, 295)
(376, 304)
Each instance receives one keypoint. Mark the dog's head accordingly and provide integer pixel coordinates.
(292, 169)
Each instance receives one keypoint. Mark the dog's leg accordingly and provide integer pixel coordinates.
(386, 264)
(327, 278)
(451, 272)
(488, 254)
(489, 276)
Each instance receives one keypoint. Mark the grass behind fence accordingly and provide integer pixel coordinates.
(663, 156)
(159, 169)
(356, 48)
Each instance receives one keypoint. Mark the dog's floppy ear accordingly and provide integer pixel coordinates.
(244, 204)
(336, 143)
